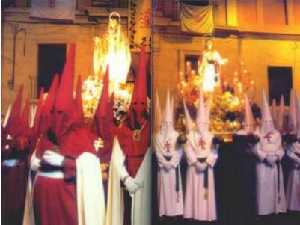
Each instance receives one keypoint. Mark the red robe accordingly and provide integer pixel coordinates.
(134, 150)
(13, 180)
(55, 199)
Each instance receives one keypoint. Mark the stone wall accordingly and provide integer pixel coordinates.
(26, 65)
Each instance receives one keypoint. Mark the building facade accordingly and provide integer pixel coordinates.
(247, 33)
(25, 41)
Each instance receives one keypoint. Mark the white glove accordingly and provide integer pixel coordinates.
(200, 167)
(211, 160)
(53, 158)
(130, 185)
(35, 163)
(168, 166)
(271, 159)
(139, 184)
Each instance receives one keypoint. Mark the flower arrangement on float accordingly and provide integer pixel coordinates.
(226, 101)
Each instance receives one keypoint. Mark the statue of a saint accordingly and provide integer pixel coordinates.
(113, 50)
(209, 68)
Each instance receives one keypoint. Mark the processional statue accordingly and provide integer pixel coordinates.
(210, 67)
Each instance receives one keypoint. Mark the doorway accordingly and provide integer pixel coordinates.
(51, 59)
(280, 83)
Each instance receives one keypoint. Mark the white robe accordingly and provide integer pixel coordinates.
(89, 190)
(170, 200)
(293, 187)
(208, 70)
(270, 195)
(141, 200)
(200, 202)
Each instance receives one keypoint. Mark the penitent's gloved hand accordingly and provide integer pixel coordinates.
(35, 163)
(130, 185)
(200, 167)
(53, 158)
(271, 160)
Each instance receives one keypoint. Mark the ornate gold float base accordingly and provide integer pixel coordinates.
(225, 136)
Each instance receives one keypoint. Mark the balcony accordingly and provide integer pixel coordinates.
(87, 12)
(110, 3)
(80, 3)
(235, 19)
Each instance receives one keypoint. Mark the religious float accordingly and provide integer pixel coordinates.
(109, 50)
(223, 94)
